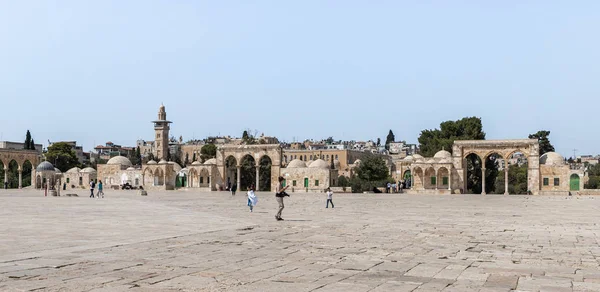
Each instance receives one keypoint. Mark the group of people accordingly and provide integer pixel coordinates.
(100, 189)
(280, 193)
(397, 188)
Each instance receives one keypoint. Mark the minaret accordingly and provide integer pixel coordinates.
(161, 129)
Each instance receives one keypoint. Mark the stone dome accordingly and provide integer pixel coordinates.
(45, 166)
(211, 161)
(552, 158)
(74, 170)
(430, 160)
(319, 163)
(445, 160)
(176, 166)
(408, 158)
(308, 163)
(196, 163)
(119, 160)
(130, 169)
(442, 154)
(162, 161)
(88, 170)
(418, 157)
(151, 162)
(296, 163)
(57, 171)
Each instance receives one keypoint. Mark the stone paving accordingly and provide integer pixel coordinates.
(189, 241)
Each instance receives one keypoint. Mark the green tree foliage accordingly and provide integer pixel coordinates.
(432, 141)
(187, 160)
(136, 157)
(389, 139)
(542, 137)
(207, 152)
(378, 142)
(372, 172)
(265, 174)
(343, 181)
(27, 144)
(32, 145)
(62, 156)
(329, 140)
(194, 157)
(594, 177)
(248, 139)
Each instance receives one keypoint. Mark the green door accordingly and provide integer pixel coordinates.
(574, 183)
(306, 182)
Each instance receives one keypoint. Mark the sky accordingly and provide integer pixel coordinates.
(97, 71)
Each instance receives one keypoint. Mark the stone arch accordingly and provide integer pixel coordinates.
(429, 178)
(264, 173)
(407, 177)
(231, 172)
(204, 180)
(443, 178)
(473, 169)
(27, 172)
(247, 172)
(418, 178)
(193, 178)
(148, 177)
(159, 177)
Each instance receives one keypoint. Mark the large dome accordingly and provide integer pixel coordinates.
(296, 163)
(442, 154)
(552, 158)
(45, 166)
(119, 160)
(319, 163)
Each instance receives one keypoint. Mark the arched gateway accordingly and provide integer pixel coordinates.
(505, 148)
(261, 155)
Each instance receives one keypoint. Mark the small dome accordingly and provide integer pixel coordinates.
(119, 160)
(88, 170)
(552, 158)
(445, 160)
(430, 160)
(130, 169)
(319, 163)
(408, 158)
(308, 163)
(162, 161)
(45, 166)
(417, 156)
(296, 163)
(196, 163)
(211, 161)
(57, 171)
(442, 154)
(151, 162)
(74, 170)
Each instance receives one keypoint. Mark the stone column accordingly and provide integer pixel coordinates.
(506, 177)
(436, 179)
(450, 181)
(239, 175)
(483, 180)
(257, 177)
(20, 178)
(5, 175)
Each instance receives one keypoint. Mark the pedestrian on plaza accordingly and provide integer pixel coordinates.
(329, 198)
(64, 186)
(6, 185)
(233, 189)
(92, 187)
(279, 195)
(100, 189)
(252, 198)
(388, 187)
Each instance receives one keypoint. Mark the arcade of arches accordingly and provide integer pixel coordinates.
(17, 167)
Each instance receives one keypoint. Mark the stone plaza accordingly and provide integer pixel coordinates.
(209, 241)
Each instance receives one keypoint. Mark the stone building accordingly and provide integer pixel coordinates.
(309, 178)
(118, 171)
(79, 178)
(557, 177)
(160, 175)
(341, 160)
(161, 134)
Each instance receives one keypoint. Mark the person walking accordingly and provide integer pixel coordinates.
(92, 187)
(252, 198)
(279, 195)
(100, 189)
(233, 189)
(329, 198)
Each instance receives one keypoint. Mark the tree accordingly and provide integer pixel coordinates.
(168, 158)
(329, 140)
(542, 137)
(138, 155)
(27, 143)
(32, 145)
(372, 172)
(62, 156)
(208, 151)
(389, 139)
(194, 157)
(248, 139)
(432, 141)
(378, 142)
(187, 159)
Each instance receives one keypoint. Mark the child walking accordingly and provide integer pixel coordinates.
(252, 199)
(329, 198)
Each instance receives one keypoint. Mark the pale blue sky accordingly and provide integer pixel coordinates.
(95, 71)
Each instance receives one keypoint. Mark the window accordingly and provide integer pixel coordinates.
(300, 157)
(327, 156)
(304, 157)
(294, 183)
(201, 179)
(546, 181)
(445, 180)
(81, 181)
(433, 180)
(316, 182)
(556, 181)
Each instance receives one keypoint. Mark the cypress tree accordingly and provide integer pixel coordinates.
(27, 145)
